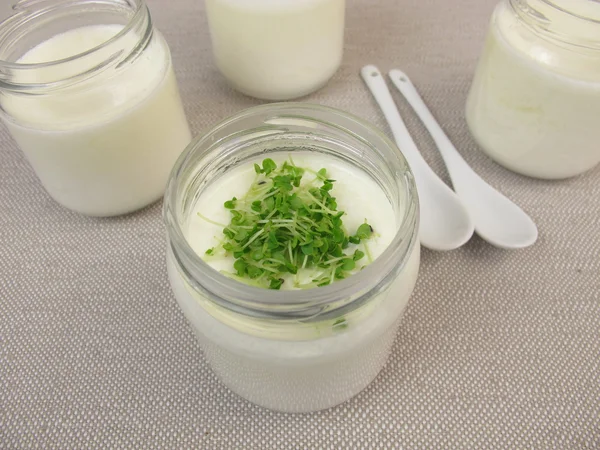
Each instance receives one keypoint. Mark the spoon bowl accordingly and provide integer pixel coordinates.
(496, 218)
(445, 222)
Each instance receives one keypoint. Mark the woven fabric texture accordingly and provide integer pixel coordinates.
(497, 349)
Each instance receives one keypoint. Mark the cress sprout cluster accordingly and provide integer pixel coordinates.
(285, 224)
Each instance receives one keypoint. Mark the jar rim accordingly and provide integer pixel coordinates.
(258, 301)
(28, 11)
(532, 13)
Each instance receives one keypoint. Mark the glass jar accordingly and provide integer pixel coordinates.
(88, 92)
(277, 49)
(535, 98)
(294, 350)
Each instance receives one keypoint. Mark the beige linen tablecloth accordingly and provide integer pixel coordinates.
(497, 349)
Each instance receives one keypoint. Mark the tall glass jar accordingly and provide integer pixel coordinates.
(277, 49)
(294, 350)
(535, 98)
(88, 92)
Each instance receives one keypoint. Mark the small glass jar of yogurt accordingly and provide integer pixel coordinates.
(535, 98)
(88, 92)
(294, 350)
(277, 49)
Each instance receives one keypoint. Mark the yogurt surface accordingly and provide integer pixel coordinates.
(356, 193)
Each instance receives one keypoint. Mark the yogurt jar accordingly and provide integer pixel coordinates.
(277, 49)
(88, 92)
(535, 98)
(294, 350)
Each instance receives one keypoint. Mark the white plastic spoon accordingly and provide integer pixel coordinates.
(445, 222)
(497, 219)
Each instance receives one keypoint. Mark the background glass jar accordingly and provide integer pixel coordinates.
(535, 98)
(88, 92)
(302, 350)
(277, 49)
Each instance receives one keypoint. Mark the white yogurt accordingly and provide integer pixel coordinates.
(104, 146)
(277, 49)
(534, 105)
(297, 366)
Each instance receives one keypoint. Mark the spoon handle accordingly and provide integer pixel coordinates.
(383, 97)
(452, 158)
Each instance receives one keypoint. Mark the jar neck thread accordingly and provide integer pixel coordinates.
(35, 21)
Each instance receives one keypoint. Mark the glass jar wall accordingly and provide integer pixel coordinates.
(277, 49)
(88, 92)
(536, 93)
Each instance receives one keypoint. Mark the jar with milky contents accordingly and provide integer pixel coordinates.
(535, 98)
(88, 92)
(277, 49)
(294, 350)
